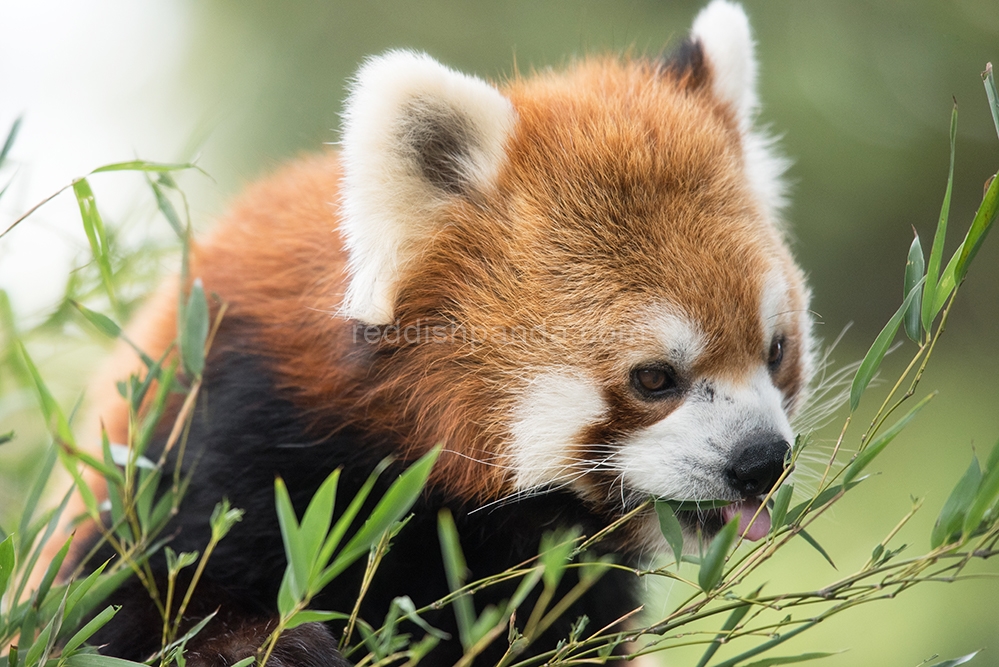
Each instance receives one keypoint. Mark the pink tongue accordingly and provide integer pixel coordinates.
(745, 510)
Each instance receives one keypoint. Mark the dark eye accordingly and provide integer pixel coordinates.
(653, 381)
(776, 353)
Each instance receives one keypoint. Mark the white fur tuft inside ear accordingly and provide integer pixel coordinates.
(723, 31)
(416, 134)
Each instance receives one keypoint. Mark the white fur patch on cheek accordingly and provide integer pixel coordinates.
(556, 407)
(685, 456)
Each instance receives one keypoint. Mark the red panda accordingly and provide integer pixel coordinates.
(577, 282)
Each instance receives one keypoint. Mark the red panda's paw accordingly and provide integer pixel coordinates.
(308, 645)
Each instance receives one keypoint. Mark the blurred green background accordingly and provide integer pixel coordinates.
(861, 93)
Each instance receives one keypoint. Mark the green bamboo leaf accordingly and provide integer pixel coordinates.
(815, 545)
(317, 519)
(990, 91)
(93, 226)
(314, 616)
(872, 450)
(782, 500)
(299, 563)
(951, 520)
(98, 660)
(914, 270)
(671, 529)
(245, 662)
(347, 518)
(947, 283)
(730, 624)
(6, 563)
(392, 507)
(54, 417)
(103, 323)
(987, 495)
(6, 437)
(957, 661)
(145, 165)
(980, 226)
(695, 505)
(11, 138)
(456, 572)
(789, 659)
(167, 208)
(931, 290)
(195, 331)
(872, 360)
(88, 630)
(713, 561)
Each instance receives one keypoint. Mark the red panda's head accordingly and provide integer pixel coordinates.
(594, 266)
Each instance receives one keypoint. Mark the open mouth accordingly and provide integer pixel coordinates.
(754, 518)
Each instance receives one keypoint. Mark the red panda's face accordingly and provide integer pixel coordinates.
(606, 241)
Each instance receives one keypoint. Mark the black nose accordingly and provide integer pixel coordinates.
(758, 467)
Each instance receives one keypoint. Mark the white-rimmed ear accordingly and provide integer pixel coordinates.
(416, 134)
(722, 30)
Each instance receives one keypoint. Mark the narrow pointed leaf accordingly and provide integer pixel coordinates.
(317, 519)
(980, 226)
(914, 270)
(877, 446)
(6, 437)
(11, 138)
(986, 496)
(456, 572)
(713, 561)
(990, 91)
(939, 237)
(87, 631)
(781, 502)
(195, 331)
(103, 323)
(299, 565)
(957, 661)
(93, 226)
(6, 563)
(671, 529)
(815, 545)
(145, 165)
(951, 520)
(788, 659)
(872, 360)
(168, 210)
(315, 616)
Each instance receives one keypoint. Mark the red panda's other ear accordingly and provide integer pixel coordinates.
(722, 30)
(416, 134)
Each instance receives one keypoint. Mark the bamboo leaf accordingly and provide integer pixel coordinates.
(914, 270)
(93, 226)
(872, 450)
(97, 660)
(951, 520)
(980, 226)
(6, 563)
(671, 529)
(11, 138)
(88, 630)
(713, 561)
(103, 323)
(782, 500)
(456, 572)
(957, 661)
(6, 437)
(195, 331)
(990, 91)
(145, 165)
(987, 495)
(815, 545)
(788, 660)
(317, 519)
(168, 210)
(931, 290)
(872, 360)
(299, 564)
